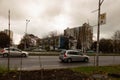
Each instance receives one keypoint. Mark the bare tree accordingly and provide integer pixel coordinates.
(4, 40)
(50, 40)
(53, 36)
(116, 41)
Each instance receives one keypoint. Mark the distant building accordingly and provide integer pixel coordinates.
(73, 38)
(63, 42)
(80, 37)
(55, 43)
(31, 40)
(50, 43)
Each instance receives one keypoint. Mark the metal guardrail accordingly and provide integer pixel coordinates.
(44, 53)
(57, 53)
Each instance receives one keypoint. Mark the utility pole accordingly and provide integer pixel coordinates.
(9, 41)
(98, 32)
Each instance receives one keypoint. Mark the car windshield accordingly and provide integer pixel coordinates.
(16, 49)
(75, 53)
(12, 49)
(62, 52)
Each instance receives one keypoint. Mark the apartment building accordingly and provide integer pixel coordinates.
(80, 37)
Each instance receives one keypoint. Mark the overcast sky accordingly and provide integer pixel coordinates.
(56, 15)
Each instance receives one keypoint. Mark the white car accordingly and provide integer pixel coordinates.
(73, 55)
(13, 52)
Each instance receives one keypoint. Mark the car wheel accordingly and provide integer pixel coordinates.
(5, 55)
(69, 60)
(23, 55)
(62, 60)
(86, 60)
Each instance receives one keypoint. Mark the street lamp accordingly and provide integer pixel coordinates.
(27, 21)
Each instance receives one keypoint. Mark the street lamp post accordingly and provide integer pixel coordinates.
(27, 21)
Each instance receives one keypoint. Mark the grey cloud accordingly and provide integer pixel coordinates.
(76, 12)
(14, 6)
(52, 9)
(112, 12)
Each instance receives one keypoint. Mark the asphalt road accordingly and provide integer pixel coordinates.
(38, 62)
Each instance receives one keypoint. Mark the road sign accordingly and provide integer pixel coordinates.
(103, 18)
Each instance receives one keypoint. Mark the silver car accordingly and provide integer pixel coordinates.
(72, 55)
(13, 52)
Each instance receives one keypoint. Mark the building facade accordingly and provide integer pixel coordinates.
(80, 37)
(73, 38)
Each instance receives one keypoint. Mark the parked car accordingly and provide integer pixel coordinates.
(72, 55)
(38, 50)
(90, 51)
(13, 52)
